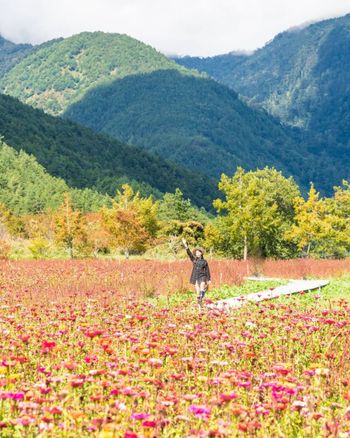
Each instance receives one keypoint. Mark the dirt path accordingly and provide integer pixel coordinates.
(293, 287)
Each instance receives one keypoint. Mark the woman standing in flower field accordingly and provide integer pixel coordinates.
(200, 275)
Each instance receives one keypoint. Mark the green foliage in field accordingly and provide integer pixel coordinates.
(263, 214)
(247, 287)
(85, 159)
(328, 297)
(337, 289)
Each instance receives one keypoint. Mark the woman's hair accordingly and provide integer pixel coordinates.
(201, 250)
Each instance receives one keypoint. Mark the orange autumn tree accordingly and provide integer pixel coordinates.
(70, 227)
(131, 221)
(99, 237)
(5, 246)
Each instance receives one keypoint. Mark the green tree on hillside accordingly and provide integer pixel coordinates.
(83, 159)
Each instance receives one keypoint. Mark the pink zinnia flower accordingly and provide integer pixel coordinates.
(149, 423)
(228, 397)
(141, 416)
(200, 411)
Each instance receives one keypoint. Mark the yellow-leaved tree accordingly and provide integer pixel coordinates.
(339, 219)
(342, 210)
(313, 222)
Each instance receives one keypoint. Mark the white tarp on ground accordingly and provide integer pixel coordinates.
(293, 287)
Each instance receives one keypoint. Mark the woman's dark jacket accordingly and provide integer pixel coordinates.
(200, 271)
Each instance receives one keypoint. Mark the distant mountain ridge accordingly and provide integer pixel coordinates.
(218, 67)
(302, 76)
(11, 54)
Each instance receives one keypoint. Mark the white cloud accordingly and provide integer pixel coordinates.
(197, 27)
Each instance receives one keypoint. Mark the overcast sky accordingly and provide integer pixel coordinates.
(195, 27)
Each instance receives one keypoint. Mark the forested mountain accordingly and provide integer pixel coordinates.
(124, 88)
(85, 159)
(194, 121)
(59, 72)
(26, 187)
(302, 76)
(11, 54)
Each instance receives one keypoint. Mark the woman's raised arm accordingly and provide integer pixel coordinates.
(189, 252)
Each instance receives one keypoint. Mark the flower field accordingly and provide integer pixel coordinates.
(101, 349)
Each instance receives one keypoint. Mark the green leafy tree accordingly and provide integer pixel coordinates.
(257, 209)
(39, 248)
(216, 238)
(174, 231)
(174, 206)
(180, 219)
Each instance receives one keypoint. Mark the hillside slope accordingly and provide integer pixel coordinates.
(26, 187)
(61, 71)
(85, 159)
(196, 122)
